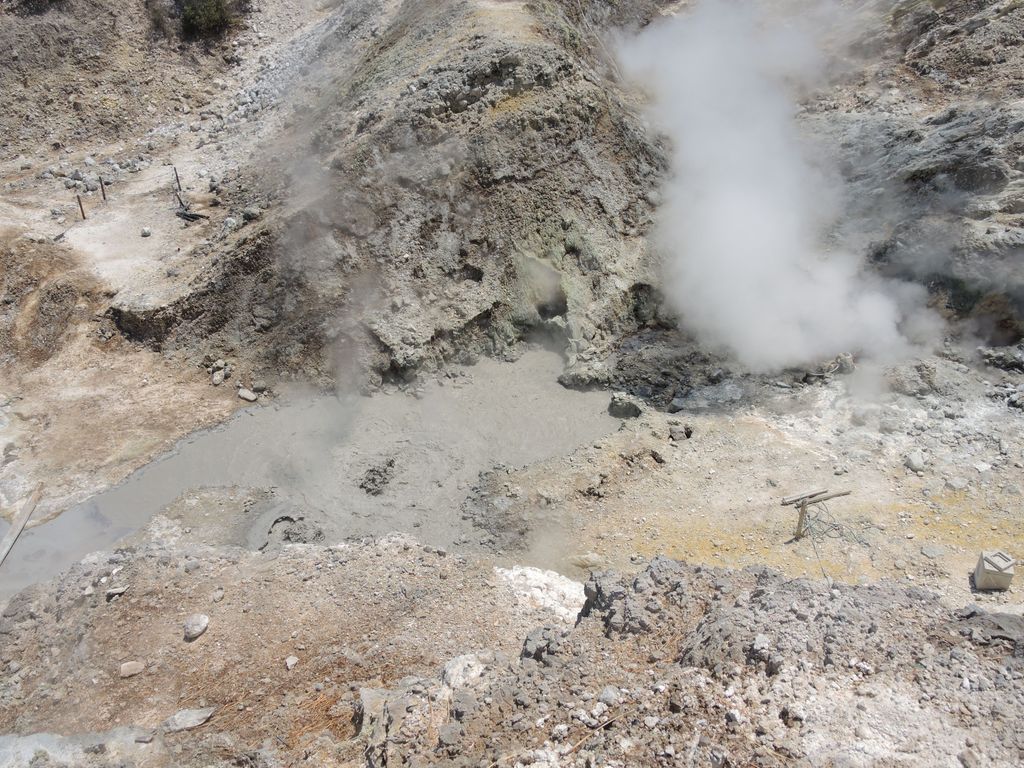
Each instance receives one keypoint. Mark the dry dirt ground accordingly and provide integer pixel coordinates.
(386, 653)
(714, 497)
(389, 190)
(373, 613)
(81, 405)
(856, 651)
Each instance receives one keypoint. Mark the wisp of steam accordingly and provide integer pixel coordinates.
(745, 215)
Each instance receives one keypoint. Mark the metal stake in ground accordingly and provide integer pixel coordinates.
(176, 179)
(103, 189)
(80, 206)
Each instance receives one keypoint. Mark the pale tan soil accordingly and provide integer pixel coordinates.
(715, 499)
(98, 408)
(79, 411)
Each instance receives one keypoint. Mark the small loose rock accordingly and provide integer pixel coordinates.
(131, 668)
(184, 719)
(622, 406)
(195, 625)
(609, 696)
(914, 461)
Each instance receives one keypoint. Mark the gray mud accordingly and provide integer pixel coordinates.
(346, 466)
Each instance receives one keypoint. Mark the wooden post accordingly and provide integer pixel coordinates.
(801, 519)
(176, 179)
(80, 206)
(803, 500)
(18, 525)
(103, 189)
(800, 496)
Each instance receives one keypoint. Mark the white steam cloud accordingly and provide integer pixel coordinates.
(746, 213)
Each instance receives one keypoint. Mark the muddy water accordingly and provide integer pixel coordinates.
(418, 454)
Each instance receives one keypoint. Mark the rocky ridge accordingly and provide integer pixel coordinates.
(679, 663)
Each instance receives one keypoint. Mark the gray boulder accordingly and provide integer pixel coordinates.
(624, 406)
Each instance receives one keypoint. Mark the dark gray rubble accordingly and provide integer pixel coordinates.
(686, 665)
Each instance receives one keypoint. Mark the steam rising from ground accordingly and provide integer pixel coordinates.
(746, 212)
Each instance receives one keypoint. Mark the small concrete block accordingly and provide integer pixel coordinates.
(994, 571)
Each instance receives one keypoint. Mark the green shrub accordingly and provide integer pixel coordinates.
(206, 18)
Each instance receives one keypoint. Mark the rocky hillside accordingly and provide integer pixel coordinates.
(447, 178)
(81, 72)
(931, 143)
(441, 179)
(369, 194)
(390, 655)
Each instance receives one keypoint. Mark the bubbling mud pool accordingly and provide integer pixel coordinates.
(350, 465)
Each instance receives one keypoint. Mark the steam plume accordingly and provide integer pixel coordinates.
(746, 212)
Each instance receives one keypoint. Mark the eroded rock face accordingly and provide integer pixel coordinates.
(937, 195)
(929, 142)
(509, 186)
(475, 173)
(440, 210)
